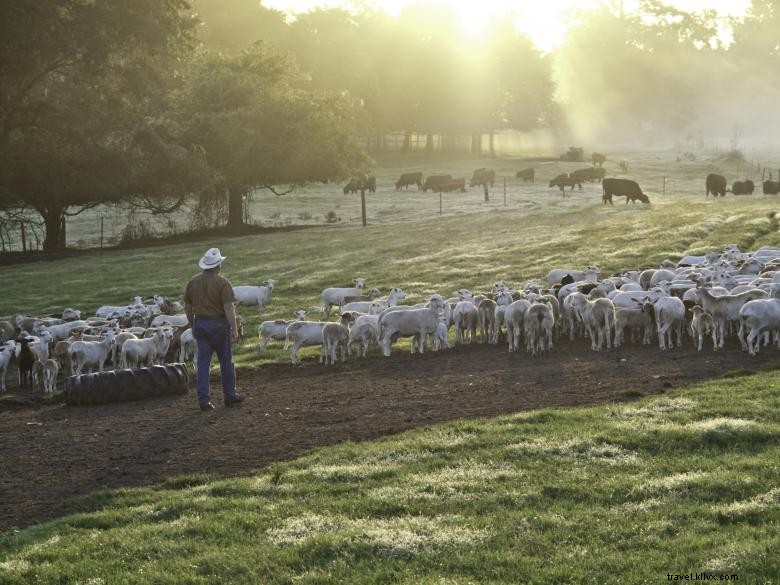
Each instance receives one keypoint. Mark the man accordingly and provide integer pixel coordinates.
(208, 302)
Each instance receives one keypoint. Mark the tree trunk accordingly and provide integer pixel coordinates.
(235, 208)
(407, 141)
(54, 221)
(429, 142)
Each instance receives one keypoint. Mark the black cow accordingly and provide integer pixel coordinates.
(451, 185)
(743, 187)
(527, 175)
(716, 184)
(482, 176)
(409, 179)
(589, 174)
(434, 180)
(771, 187)
(622, 188)
(564, 181)
(598, 159)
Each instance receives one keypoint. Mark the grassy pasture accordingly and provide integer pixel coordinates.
(473, 244)
(622, 493)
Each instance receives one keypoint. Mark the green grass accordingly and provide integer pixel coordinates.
(685, 482)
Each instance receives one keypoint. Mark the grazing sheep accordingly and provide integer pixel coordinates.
(303, 333)
(335, 336)
(702, 324)
(590, 274)
(396, 294)
(724, 308)
(669, 316)
(761, 316)
(598, 317)
(268, 330)
(514, 318)
(486, 314)
(465, 318)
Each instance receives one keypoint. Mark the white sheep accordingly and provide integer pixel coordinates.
(725, 308)
(254, 295)
(412, 322)
(465, 317)
(137, 352)
(503, 300)
(335, 296)
(277, 329)
(364, 332)
(486, 315)
(598, 316)
(539, 322)
(633, 319)
(669, 316)
(7, 350)
(396, 294)
(62, 331)
(188, 347)
(702, 324)
(335, 336)
(170, 320)
(45, 375)
(761, 316)
(590, 274)
(303, 333)
(514, 319)
(90, 354)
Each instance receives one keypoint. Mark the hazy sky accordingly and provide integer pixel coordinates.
(545, 21)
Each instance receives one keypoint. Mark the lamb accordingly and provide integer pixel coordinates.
(188, 347)
(669, 316)
(7, 331)
(702, 324)
(486, 315)
(335, 296)
(25, 363)
(71, 315)
(539, 323)
(90, 353)
(364, 332)
(757, 317)
(61, 355)
(268, 330)
(396, 294)
(45, 375)
(598, 317)
(372, 294)
(590, 274)
(38, 344)
(503, 300)
(466, 318)
(420, 322)
(254, 295)
(62, 331)
(7, 350)
(144, 351)
(634, 319)
(335, 336)
(170, 320)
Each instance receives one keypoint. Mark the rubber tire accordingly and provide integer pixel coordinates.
(126, 385)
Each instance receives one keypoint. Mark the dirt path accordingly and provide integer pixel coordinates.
(53, 453)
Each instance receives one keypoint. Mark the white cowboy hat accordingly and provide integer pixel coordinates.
(211, 259)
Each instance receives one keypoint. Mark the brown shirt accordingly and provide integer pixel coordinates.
(208, 293)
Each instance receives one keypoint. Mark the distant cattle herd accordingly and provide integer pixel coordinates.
(716, 185)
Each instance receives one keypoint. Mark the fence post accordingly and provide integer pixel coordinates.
(485, 187)
(504, 191)
(24, 238)
(664, 185)
(101, 232)
(363, 206)
(440, 203)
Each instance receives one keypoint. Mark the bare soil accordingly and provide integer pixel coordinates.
(51, 453)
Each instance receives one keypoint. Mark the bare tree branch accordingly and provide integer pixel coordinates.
(277, 193)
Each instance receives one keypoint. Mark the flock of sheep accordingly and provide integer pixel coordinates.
(711, 296)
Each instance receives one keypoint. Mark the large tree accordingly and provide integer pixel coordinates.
(83, 89)
(259, 129)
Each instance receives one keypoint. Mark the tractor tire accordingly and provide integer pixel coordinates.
(126, 385)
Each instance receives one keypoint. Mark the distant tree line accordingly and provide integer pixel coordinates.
(150, 102)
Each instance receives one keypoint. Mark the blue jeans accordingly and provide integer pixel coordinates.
(213, 335)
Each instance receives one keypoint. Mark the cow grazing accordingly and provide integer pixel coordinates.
(364, 183)
(743, 187)
(451, 185)
(409, 179)
(564, 180)
(622, 188)
(434, 180)
(716, 184)
(771, 187)
(526, 174)
(598, 159)
(589, 174)
(482, 176)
